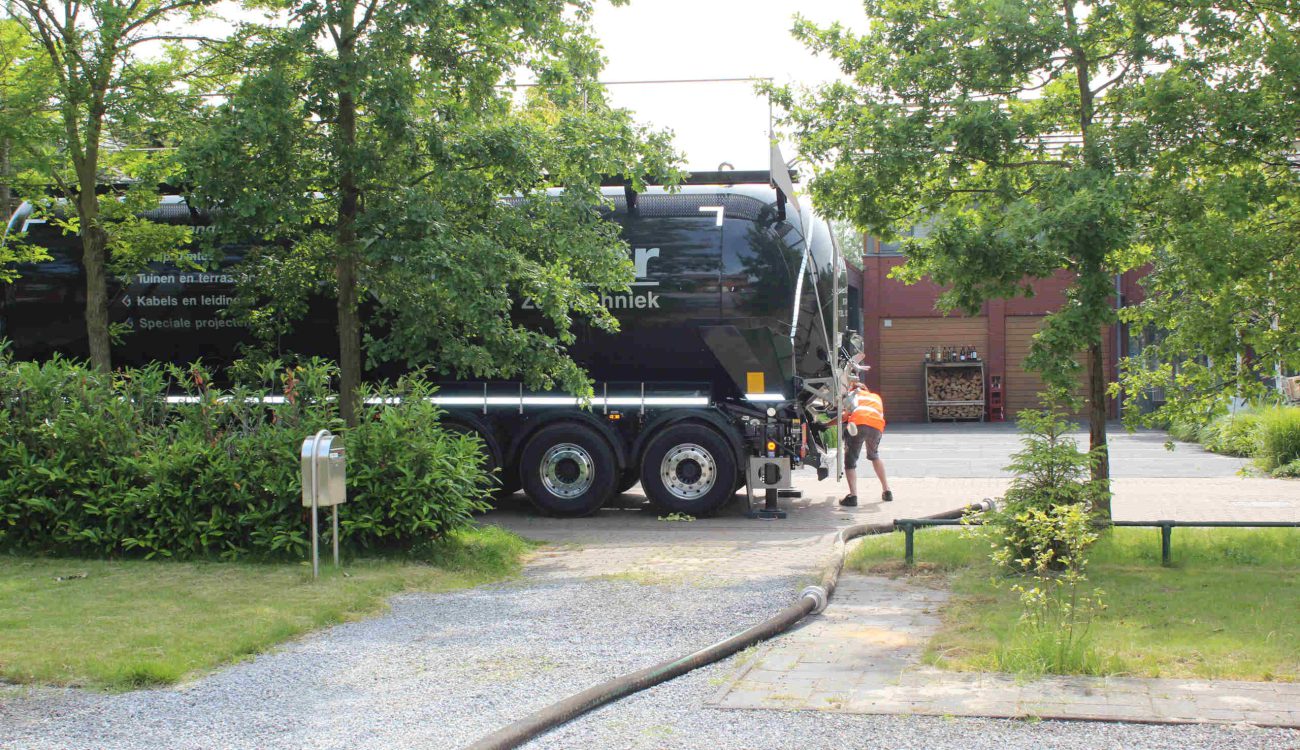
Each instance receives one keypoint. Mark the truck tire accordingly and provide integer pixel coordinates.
(503, 483)
(568, 470)
(689, 468)
(628, 479)
(509, 484)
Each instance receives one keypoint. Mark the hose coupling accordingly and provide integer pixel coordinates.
(987, 505)
(818, 595)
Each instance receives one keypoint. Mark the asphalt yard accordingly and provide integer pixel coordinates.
(961, 450)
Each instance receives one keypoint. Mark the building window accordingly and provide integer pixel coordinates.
(920, 231)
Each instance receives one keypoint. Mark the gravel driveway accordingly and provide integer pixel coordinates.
(440, 671)
(625, 591)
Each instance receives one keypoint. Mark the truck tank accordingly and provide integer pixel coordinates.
(718, 292)
(171, 313)
(718, 296)
(728, 332)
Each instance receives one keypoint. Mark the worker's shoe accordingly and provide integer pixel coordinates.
(887, 496)
(850, 501)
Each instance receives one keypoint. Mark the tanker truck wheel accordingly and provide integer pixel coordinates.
(689, 469)
(568, 470)
(504, 484)
(628, 479)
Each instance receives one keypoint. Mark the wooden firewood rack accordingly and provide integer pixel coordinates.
(937, 376)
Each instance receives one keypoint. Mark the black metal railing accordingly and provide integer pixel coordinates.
(909, 526)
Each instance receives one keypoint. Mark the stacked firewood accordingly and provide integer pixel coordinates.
(958, 384)
(964, 384)
(967, 411)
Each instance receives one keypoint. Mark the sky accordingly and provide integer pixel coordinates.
(657, 40)
(709, 39)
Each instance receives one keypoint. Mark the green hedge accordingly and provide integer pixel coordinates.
(1269, 434)
(98, 464)
(1279, 438)
(1233, 434)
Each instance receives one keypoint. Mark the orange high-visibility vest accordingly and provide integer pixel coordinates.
(868, 409)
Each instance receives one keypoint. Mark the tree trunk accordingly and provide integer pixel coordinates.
(345, 273)
(1097, 427)
(94, 242)
(6, 193)
(1096, 367)
(345, 268)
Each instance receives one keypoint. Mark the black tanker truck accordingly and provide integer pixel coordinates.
(733, 337)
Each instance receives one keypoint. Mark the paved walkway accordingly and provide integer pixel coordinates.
(629, 540)
(629, 535)
(862, 656)
(932, 468)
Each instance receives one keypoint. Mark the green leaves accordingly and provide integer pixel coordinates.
(1034, 139)
(99, 465)
(453, 229)
(102, 112)
(1041, 536)
(1222, 205)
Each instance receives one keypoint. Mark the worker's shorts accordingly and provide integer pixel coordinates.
(868, 436)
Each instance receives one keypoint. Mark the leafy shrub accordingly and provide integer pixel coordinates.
(412, 482)
(1279, 437)
(101, 464)
(1188, 432)
(1289, 470)
(1232, 434)
(1049, 472)
(1057, 606)
(1040, 536)
(70, 451)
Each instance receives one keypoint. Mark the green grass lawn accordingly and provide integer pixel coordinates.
(119, 625)
(1229, 608)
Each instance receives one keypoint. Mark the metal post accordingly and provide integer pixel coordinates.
(771, 510)
(1166, 543)
(835, 353)
(315, 499)
(909, 544)
(335, 511)
(315, 553)
(332, 492)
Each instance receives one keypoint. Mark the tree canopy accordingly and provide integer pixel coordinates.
(1021, 132)
(393, 163)
(1222, 207)
(26, 85)
(105, 85)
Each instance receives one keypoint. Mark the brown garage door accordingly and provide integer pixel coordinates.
(902, 358)
(1022, 387)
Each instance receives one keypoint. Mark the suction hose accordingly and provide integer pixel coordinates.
(812, 599)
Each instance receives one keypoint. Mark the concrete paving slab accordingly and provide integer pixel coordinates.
(1150, 484)
(888, 677)
(858, 661)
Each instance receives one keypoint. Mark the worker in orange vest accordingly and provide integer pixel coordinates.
(865, 418)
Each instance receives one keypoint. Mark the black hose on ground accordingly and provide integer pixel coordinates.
(812, 599)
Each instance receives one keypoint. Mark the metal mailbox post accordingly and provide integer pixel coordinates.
(324, 483)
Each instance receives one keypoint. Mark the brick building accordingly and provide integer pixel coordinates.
(900, 323)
